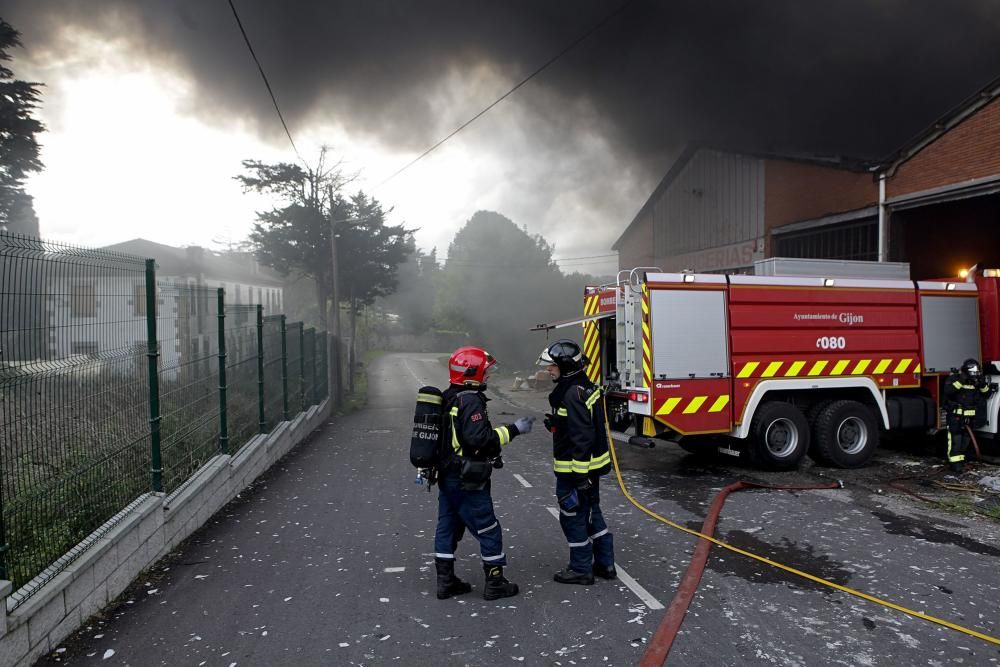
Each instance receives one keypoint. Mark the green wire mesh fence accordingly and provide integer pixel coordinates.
(274, 372)
(293, 343)
(241, 375)
(92, 415)
(187, 329)
(74, 433)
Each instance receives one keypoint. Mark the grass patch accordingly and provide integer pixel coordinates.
(357, 400)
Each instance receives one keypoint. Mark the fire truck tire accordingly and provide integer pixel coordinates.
(846, 435)
(812, 416)
(779, 436)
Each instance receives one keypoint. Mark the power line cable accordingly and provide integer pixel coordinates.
(266, 83)
(528, 78)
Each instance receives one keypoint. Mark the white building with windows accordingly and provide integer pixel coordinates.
(100, 312)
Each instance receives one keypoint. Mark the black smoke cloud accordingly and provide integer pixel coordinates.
(852, 77)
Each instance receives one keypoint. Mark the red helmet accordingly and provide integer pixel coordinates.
(469, 366)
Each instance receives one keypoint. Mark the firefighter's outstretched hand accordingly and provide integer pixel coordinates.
(524, 424)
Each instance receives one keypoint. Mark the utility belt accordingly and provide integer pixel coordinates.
(473, 474)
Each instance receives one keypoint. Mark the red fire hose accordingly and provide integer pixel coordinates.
(663, 639)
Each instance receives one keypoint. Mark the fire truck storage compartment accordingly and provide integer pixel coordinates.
(950, 328)
(911, 412)
(689, 333)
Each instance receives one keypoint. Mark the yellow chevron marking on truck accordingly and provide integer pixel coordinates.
(840, 366)
(917, 369)
(668, 406)
(748, 369)
(795, 369)
(771, 369)
(817, 367)
(860, 368)
(720, 403)
(882, 365)
(902, 365)
(695, 403)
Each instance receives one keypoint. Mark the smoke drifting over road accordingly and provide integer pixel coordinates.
(853, 77)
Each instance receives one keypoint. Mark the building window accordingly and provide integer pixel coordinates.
(855, 241)
(89, 348)
(83, 301)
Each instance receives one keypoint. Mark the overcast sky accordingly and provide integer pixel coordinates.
(151, 105)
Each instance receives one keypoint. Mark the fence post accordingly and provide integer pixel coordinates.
(152, 353)
(223, 415)
(326, 374)
(315, 364)
(302, 367)
(284, 372)
(261, 417)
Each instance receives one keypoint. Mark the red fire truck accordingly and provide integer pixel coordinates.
(787, 365)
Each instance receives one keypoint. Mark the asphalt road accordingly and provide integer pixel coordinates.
(328, 560)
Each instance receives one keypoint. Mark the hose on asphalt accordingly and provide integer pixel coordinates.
(660, 645)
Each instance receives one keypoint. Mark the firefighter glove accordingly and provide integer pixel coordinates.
(523, 424)
(583, 483)
(549, 426)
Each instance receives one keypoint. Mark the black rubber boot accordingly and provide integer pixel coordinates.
(608, 572)
(448, 585)
(571, 576)
(957, 467)
(496, 585)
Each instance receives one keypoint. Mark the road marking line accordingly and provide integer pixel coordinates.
(627, 579)
(395, 569)
(522, 480)
(641, 592)
(407, 367)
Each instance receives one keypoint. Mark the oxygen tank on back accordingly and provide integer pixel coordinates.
(427, 420)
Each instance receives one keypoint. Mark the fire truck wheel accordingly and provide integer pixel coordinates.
(846, 435)
(779, 436)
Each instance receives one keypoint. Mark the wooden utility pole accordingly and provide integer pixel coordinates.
(335, 374)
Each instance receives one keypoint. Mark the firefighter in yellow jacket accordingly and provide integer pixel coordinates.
(580, 457)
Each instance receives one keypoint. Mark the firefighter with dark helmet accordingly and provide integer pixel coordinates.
(580, 457)
(963, 397)
(471, 449)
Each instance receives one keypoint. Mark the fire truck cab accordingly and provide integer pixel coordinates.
(787, 364)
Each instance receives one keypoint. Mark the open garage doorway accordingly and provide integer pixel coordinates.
(940, 239)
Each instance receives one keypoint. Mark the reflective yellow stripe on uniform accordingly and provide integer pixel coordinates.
(597, 462)
(562, 412)
(593, 399)
(562, 466)
(503, 434)
(429, 398)
(455, 445)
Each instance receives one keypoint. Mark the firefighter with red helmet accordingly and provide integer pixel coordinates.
(963, 397)
(580, 457)
(472, 447)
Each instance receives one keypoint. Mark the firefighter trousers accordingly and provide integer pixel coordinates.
(958, 441)
(460, 509)
(586, 532)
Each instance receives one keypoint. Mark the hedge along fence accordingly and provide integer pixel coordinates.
(113, 384)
